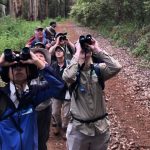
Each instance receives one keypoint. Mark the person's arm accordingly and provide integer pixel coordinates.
(51, 88)
(71, 46)
(29, 42)
(52, 48)
(110, 66)
(53, 85)
(69, 74)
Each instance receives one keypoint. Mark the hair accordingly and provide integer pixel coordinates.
(33, 73)
(51, 23)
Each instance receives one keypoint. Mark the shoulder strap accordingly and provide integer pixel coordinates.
(99, 75)
(67, 62)
(75, 85)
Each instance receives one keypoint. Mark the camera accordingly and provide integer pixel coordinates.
(23, 55)
(62, 38)
(84, 41)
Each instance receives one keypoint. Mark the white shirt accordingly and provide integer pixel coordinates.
(13, 96)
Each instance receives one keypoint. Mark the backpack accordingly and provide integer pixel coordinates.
(76, 84)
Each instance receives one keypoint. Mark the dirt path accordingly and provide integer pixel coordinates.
(128, 97)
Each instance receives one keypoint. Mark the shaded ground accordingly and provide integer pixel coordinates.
(128, 97)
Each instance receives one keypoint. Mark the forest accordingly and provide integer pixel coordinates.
(122, 29)
(124, 21)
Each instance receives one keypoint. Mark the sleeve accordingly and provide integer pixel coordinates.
(70, 72)
(110, 67)
(51, 88)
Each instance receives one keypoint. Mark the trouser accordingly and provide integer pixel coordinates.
(44, 119)
(79, 141)
(61, 113)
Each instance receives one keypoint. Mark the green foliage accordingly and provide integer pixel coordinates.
(125, 21)
(129, 35)
(143, 47)
(15, 33)
(91, 12)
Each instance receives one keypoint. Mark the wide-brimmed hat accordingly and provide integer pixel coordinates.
(61, 34)
(43, 51)
(33, 71)
(39, 44)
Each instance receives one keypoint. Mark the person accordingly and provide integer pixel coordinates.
(60, 109)
(50, 31)
(63, 41)
(18, 118)
(39, 36)
(39, 45)
(89, 125)
(44, 109)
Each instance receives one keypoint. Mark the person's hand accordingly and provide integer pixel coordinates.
(78, 47)
(95, 46)
(5, 63)
(34, 60)
(48, 45)
(58, 40)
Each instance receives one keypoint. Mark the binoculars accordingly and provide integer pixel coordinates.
(62, 38)
(11, 56)
(84, 40)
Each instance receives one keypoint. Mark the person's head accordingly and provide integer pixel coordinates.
(39, 45)
(19, 73)
(53, 24)
(42, 54)
(39, 32)
(59, 52)
(62, 38)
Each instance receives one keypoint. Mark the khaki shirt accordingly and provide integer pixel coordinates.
(90, 104)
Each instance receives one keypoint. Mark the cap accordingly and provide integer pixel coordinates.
(44, 52)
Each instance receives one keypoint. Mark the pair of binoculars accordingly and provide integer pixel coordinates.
(11, 56)
(62, 38)
(84, 40)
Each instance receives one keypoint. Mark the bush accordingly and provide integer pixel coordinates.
(15, 33)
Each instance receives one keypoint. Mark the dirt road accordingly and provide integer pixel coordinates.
(128, 97)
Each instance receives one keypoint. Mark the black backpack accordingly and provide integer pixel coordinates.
(76, 84)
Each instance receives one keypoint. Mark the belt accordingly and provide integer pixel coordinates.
(91, 120)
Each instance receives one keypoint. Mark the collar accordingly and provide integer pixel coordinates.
(13, 89)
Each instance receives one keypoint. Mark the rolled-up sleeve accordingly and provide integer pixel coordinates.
(69, 74)
(51, 88)
(110, 66)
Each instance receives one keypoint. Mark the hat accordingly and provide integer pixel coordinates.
(39, 44)
(61, 34)
(33, 71)
(39, 27)
(44, 52)
(60, 47)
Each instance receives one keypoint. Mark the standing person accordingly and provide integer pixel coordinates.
(50, 31)
(61, 109)
(38, 36)
(18, 118)
(43, 109)
(89, 126)
(63, 41)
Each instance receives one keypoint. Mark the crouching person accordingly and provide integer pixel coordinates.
(89, 126)
(18, 118)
